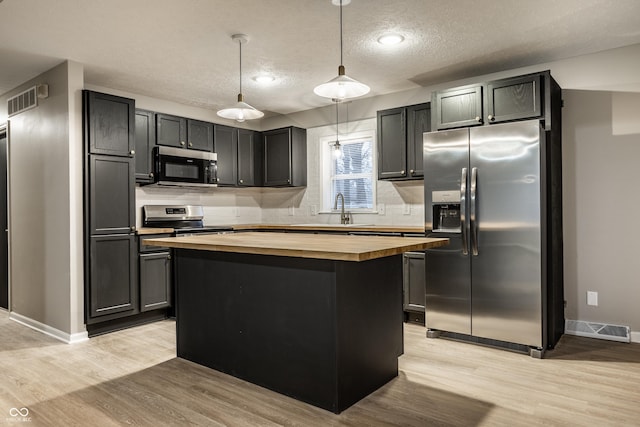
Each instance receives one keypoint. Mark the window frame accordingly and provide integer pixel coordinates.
(327, 176)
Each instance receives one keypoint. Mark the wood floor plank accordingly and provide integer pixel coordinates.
(132, 377)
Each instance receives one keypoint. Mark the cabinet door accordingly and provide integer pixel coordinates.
(226, 148)
(171, 131)
(414, 281)
(514, 99)
(109, 124)
(155, 280)
(112, 281)
(392, 146)
(419, 122)
(200, 135)
(111, 195)
(145, 140)
(457, 107)
(277, 157)
(249, 158)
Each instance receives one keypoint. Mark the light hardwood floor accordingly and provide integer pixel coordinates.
(132, 377)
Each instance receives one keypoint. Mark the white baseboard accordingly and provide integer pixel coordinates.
(635, 337)
(48, 330)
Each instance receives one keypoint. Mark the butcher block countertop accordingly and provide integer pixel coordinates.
(318, 246)
(331, 227)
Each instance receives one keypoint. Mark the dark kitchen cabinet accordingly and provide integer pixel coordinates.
(413, 283)
(400, 141)
(250, 158)
(111, 195)
(108, 124)
(144, 142)
(155, 280)
(226, 148)
(239, 156)
(515, 98)
(181, 132)
(457, 107)
(113, 288)
(285, 157)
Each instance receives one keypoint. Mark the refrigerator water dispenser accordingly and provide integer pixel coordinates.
(446, 211)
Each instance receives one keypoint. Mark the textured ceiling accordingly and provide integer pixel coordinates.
(182, 50)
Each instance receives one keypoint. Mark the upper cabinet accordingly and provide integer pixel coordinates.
(516, 98)
(226, 148)
(457, 107)
(145, 141)
(180, 132)
(400, 141)
(250, 158)
(285, 157)
(109, 125)
(239, 156)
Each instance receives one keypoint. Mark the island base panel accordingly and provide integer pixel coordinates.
(324, 332)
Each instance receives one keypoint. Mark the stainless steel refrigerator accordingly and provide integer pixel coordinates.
(495, 192)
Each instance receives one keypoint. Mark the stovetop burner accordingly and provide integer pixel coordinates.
(182, 218)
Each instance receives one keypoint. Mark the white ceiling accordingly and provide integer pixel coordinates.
(181, 50)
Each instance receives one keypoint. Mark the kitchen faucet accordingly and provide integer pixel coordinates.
(344, 217)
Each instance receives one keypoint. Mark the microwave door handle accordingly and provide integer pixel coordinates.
(463, 211)
(473, 211)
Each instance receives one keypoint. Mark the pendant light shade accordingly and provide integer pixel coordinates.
(341, 87)
(241, 111)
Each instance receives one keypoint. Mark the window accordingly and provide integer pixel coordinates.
(352, 174)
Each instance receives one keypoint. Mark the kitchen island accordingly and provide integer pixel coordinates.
(315, 317)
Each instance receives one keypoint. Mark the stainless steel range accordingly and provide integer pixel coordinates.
(186, 220)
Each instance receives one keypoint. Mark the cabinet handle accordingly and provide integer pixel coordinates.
(182, 143)
(477, 118)
(491, 117)
(133, 228)
(151, 175)
(191, 144)
(168, 256)
(411, 171)
(241, 181)
(288, 181)
(132, 152)
(402, 172)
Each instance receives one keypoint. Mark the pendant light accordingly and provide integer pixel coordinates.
(343, 86)
(241, 111)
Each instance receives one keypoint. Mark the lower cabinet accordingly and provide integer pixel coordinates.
(113, 284)
(155, 280)
(156, 275)
(414, 286)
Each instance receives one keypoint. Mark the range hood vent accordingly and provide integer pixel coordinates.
(27, 100)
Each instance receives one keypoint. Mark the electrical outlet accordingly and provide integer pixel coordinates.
(592, 298)
(313, 210)
(236, 211)
(381, 209)
(291, 211)
(406, 209)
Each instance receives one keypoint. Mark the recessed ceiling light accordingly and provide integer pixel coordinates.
(390, 39)
(264, 79)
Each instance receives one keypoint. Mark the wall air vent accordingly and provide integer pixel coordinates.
(597, 330)
(27, 100)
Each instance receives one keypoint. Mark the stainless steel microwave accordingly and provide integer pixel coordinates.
(180, 167)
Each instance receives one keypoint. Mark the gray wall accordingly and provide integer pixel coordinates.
(45, 203)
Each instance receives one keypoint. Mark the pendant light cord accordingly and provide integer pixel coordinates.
(341, 63)
(240, 43)
(337, 129)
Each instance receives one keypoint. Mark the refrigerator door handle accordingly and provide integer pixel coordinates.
(472, 211)
(463, 211)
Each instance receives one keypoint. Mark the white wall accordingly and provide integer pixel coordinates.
(45, 205)
(601, 207)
